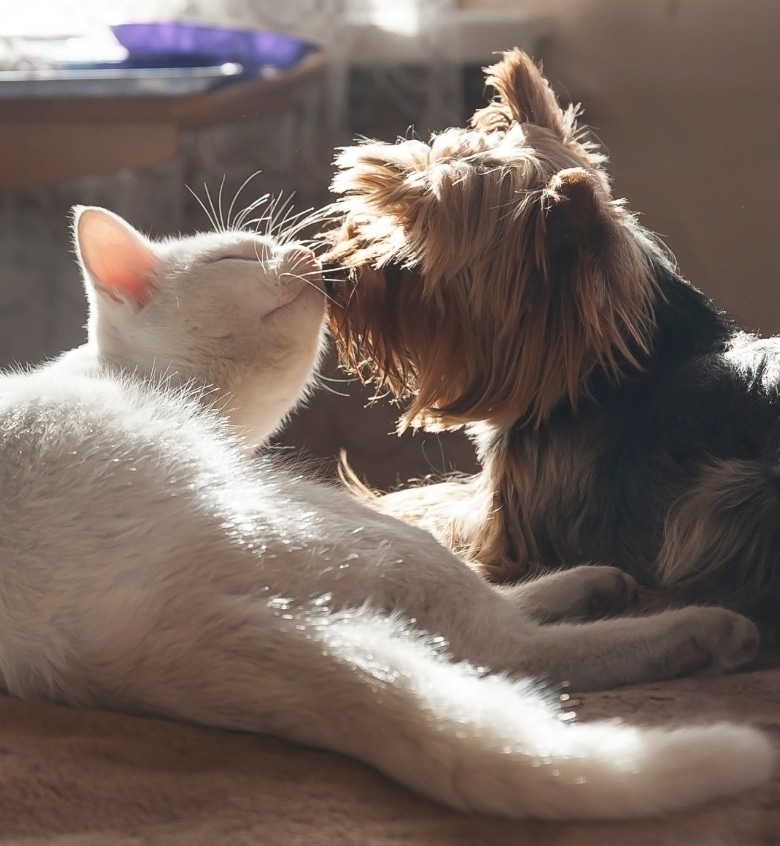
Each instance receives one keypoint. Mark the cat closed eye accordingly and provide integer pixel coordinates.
(257, 257)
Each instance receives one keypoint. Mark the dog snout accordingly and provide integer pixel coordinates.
(334, 276)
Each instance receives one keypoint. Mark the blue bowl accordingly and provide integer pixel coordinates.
(184, 44)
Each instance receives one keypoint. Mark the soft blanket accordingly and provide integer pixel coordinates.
(83, 778)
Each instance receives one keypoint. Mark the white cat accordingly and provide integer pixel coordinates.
(148, 565)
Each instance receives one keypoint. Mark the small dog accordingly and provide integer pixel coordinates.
(619, 416)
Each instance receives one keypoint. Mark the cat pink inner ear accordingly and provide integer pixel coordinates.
(120, 261)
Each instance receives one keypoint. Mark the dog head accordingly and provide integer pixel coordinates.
(489, 271)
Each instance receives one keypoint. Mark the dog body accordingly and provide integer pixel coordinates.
(672, 476)
(618, 414)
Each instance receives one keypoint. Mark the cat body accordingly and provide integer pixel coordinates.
(148, 565)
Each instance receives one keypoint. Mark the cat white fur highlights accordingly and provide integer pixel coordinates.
(150, 566)
(235, 311)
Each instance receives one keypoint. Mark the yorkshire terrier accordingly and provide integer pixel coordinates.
(619, 416)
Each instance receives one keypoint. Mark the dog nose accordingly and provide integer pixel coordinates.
(332, 275)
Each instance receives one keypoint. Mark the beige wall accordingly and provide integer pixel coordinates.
(685, 94)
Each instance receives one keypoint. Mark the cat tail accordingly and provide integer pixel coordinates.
(367, 686)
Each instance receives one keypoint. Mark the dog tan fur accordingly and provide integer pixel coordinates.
(490, 209)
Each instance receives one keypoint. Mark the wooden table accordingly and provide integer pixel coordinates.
(53, 139)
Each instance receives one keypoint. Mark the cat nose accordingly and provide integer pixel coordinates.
(302, 256)
(301, 263)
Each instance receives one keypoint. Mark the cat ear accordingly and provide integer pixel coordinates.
(119, 261)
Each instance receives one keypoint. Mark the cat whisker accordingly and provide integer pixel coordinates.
(268, 218)
(296, 270)
(279, 212)
(318, 287)
(333, 279)
(288, 219)
(282, 228)
(253, 223)
(213, 216)
(271, 202)
(258, 246)
(322, 215)
(223, 228)
(267, 214)
(267, 230)
(303, 259)
(303, 262)
(280, 221)
(346, 380)
(240, 219)
(312, 243)
(291, 227)
(236, 195)
(256, 223)
(307, 274)
(318, 381)
(211, 220)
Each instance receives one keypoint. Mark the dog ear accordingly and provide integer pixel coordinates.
(573, 221)
(599, 285)
(526, 95)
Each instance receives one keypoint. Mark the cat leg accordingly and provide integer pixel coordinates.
(371, 687)
(483, 624)
(607, 653)
(581, 593)
(367, 686)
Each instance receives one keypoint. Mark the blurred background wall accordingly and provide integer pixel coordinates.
(684, 94)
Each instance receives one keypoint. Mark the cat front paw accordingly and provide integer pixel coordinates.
(606, 591)
(712, 640)
(584, 593)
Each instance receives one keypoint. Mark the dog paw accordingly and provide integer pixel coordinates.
(713, 640)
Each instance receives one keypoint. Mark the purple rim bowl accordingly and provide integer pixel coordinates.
(211, 44)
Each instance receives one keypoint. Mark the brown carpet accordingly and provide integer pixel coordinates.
(71, 777)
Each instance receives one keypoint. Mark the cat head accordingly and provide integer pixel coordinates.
(235, 311)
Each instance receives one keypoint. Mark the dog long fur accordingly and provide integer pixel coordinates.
(618, 414)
